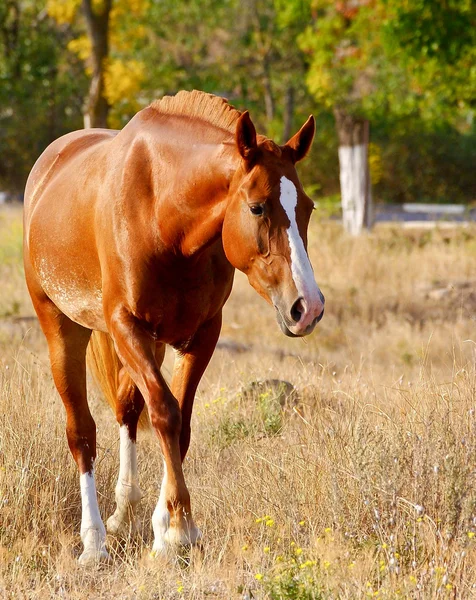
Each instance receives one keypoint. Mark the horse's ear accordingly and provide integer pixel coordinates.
(245, 136)
(301, 142)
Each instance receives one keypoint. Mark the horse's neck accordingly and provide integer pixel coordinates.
(191, 217)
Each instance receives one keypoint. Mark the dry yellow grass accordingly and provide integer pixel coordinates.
(366, 488)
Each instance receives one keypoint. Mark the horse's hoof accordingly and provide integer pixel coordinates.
(178, 537)
(90, 558)
(122, 528)
(174, 541)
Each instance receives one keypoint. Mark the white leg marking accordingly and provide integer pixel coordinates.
(301, 268)
(93, 533)
(161, 518)
(128, 492)
(164, 535)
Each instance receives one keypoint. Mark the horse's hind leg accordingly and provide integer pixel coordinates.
(67, 342)
(129, 404)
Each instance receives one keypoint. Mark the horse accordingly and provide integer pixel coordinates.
(131, 240)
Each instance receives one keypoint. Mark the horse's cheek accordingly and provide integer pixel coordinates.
(237, 242)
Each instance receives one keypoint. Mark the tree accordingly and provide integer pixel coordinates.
(107, 34)
(381, 59)
(97, 23)
(340, 76)
(41, 87)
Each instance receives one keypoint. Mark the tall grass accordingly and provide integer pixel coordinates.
(363, 486)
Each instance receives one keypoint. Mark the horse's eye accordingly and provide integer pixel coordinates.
(257, 209)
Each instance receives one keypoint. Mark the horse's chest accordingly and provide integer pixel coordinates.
(182, 308)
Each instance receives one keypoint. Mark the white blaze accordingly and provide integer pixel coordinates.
(301, 268)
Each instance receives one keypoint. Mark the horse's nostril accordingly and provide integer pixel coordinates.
(297, 310)
(320, 316)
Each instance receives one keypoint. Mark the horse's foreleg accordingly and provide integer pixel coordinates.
(136, 350)
(67, 342)
(188, 370)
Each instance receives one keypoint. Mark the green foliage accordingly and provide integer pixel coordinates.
(434, 42)
(409, 67)
(431, 28)
(256, 412)
(425, 164)
(271, 412)
(404, 57)
(231, 430)
(41, 88)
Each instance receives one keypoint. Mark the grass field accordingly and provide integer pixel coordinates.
(364, 485)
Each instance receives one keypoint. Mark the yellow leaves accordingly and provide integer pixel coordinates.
(62, 11)
(123, 80)
(127, 7)
(320, 83)
(123, 39)
(81, 46)
(375, 165)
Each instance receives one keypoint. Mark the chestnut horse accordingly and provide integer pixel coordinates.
(135, 235)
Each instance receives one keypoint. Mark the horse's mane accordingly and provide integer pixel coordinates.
(195, 104)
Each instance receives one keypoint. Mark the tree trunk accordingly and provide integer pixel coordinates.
(97, 22)
(354, 172)
(268, 90)
(288, 114)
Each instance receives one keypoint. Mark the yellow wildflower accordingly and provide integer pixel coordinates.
(269, 523)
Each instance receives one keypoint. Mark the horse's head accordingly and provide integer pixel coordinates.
(265, 227)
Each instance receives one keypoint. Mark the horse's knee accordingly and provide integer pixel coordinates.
(166, 417)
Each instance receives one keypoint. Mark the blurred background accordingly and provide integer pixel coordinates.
(393, 77)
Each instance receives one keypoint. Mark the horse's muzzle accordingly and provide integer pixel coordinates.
(288, 324)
